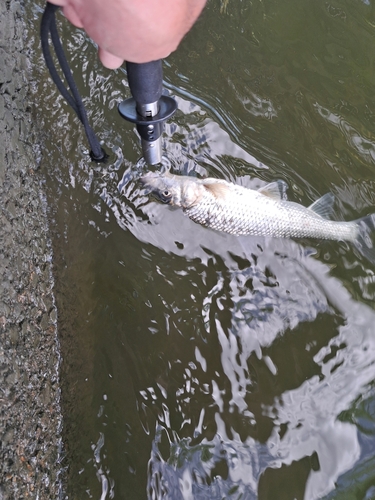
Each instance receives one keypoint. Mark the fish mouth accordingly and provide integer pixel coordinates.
(149, 181)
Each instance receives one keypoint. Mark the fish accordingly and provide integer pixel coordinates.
(230, 208)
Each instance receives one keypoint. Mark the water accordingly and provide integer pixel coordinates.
(197, 364)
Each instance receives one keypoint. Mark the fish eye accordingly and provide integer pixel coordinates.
(166, 193)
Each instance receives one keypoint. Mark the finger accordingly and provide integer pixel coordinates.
(109, 60)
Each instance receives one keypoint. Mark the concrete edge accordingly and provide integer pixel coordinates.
(30, 414)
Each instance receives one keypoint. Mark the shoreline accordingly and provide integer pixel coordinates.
(30, 416)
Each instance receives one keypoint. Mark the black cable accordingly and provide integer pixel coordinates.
(48, 26)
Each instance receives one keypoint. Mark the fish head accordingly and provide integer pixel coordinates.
(180, 191)
(163, 186)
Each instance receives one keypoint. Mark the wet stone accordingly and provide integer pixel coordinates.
(14, 334)
(2, 162)
(44, 322)
(4, 311)
(6, 68)
(2, 107)
(53, 315)
(11, 208)
(14, 137)
(15, 8)
(8, 436)
(9, 120)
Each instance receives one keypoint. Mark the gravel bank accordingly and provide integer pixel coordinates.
(30, 418)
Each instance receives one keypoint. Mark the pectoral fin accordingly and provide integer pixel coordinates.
(275, 190)
(323, 206)
(216, 188)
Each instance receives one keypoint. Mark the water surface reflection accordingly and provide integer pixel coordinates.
(285, 351)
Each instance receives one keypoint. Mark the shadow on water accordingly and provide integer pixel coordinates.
(197, 364)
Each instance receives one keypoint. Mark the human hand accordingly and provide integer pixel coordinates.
(133, 30)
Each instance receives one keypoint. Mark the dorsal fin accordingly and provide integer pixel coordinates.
(275, 190)
(217, 189)
(323, 206)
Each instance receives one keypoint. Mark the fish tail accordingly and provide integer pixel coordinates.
(365, 235)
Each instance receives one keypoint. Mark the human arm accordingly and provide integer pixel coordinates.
(133, 30)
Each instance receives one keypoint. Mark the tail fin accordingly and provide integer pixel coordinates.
(366, 235)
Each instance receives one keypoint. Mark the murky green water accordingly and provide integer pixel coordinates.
(198, 365)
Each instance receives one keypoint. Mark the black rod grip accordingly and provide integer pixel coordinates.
(145, 81)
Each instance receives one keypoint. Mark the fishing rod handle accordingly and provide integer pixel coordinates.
(145, 82)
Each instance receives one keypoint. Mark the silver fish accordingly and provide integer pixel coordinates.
(234, 209)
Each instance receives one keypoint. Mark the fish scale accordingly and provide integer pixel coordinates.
(246, 211)
(237, 210)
